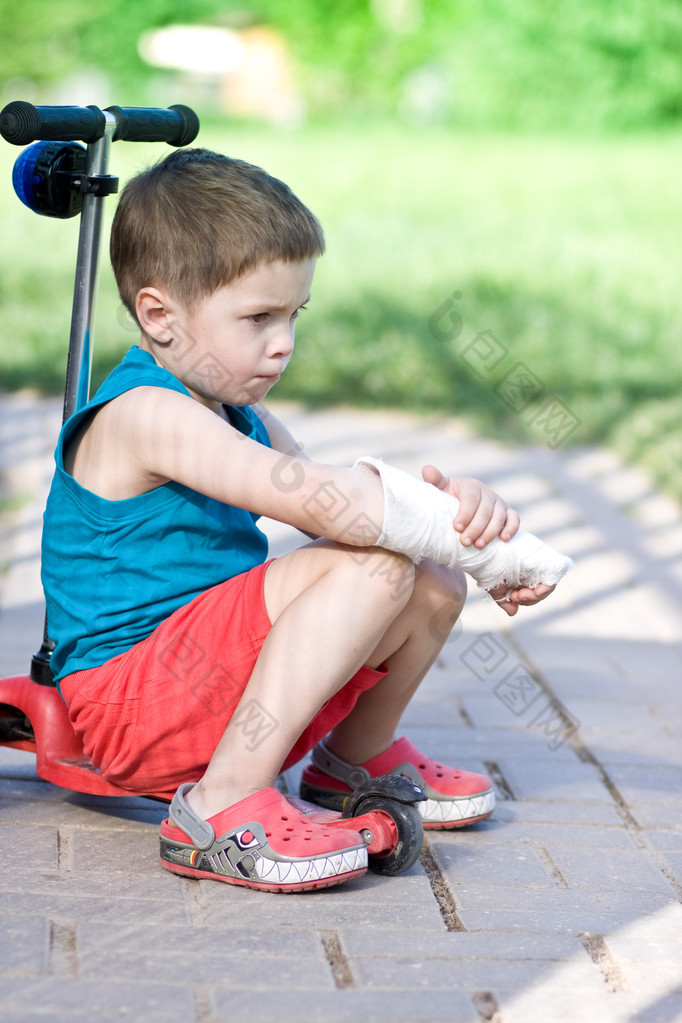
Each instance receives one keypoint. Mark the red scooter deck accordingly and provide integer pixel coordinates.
(48, 733)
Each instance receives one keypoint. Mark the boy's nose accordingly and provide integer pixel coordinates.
(283, 341)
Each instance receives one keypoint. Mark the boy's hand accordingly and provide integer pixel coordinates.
(510, 599)
(482, 515)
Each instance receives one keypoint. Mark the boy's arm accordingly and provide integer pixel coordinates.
(483, 520)
(282, 440)
(418, 521)
(169, 436)
(280, 437)
(483, 514)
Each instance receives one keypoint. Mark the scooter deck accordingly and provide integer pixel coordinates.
(47, 731)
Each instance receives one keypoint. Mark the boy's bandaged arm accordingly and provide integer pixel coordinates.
(418, 522)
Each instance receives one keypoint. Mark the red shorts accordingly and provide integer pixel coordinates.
(151, 718)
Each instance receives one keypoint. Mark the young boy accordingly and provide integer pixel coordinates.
(187, 660)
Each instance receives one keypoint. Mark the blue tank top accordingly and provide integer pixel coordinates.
(114, 570)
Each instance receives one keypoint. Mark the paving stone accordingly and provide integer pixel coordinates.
(67, 812)
(34, 843)
(347, 1005)
(459, 945)
(515, 864)
(23, 945)
(40, 1014)
(653, 814)
(673, 863)
(484, 743)
(474, 974)
(574, 667)
(621, 751)
(663, 1009)
(546, 1003)
(26, 786)
(87, 999)
(409, 888)
(96, 941)
(611, 870)
(486, 710)
(573, 920)
(633, 948)
(507, 832)
(437, 711)
(245, 957)
(630, 906)
(635, 726)
(652, 974)
(657, 783)
(584, 815)
(557, 910)
(663, 924)
(150, 882)
(20, 769)
(123, 850)
(554, 781)
(72, 902)
(370, 901)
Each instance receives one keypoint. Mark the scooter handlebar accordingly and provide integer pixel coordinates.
(22, 123)
(177, 125)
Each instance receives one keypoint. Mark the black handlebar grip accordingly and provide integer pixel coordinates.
(178, 125)
(21, 123)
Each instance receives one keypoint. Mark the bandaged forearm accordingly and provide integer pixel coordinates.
(419, 522)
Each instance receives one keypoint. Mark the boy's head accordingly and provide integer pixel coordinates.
(196, 221)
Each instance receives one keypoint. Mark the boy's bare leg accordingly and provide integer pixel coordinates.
(409, 648)
(333, 609)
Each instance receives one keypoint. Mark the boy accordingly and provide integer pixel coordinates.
(189, 662)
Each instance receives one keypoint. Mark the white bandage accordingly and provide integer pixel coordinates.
(419, 522)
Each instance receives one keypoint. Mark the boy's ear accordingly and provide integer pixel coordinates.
(153, 308)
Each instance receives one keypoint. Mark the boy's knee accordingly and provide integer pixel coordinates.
(390, 574)
(442, 593)
(442, 589)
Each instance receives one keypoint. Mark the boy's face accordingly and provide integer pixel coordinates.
(237, 343)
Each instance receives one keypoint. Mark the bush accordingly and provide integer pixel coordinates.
(523, 64)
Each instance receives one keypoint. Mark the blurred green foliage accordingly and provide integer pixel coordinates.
(563, 240)
(568, 250)
(538, 64)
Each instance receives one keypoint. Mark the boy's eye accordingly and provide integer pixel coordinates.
(264, 317)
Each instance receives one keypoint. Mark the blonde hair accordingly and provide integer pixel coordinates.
(197, 220)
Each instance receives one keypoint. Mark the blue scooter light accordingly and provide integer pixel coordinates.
(43, 175)
(23, 173)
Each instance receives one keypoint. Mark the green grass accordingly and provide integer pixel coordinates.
(568, 250)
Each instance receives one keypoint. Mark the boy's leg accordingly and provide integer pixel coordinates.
(331, 608)
(332, 612)
(363, 745)
(409, 647)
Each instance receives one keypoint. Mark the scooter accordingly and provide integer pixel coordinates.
(63, 173)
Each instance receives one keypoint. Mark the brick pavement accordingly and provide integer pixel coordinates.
(564, 906)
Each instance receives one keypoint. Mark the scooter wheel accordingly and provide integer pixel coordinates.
(408, 822)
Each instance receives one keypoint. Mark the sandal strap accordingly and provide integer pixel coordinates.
(352, 774)
(182, 814)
